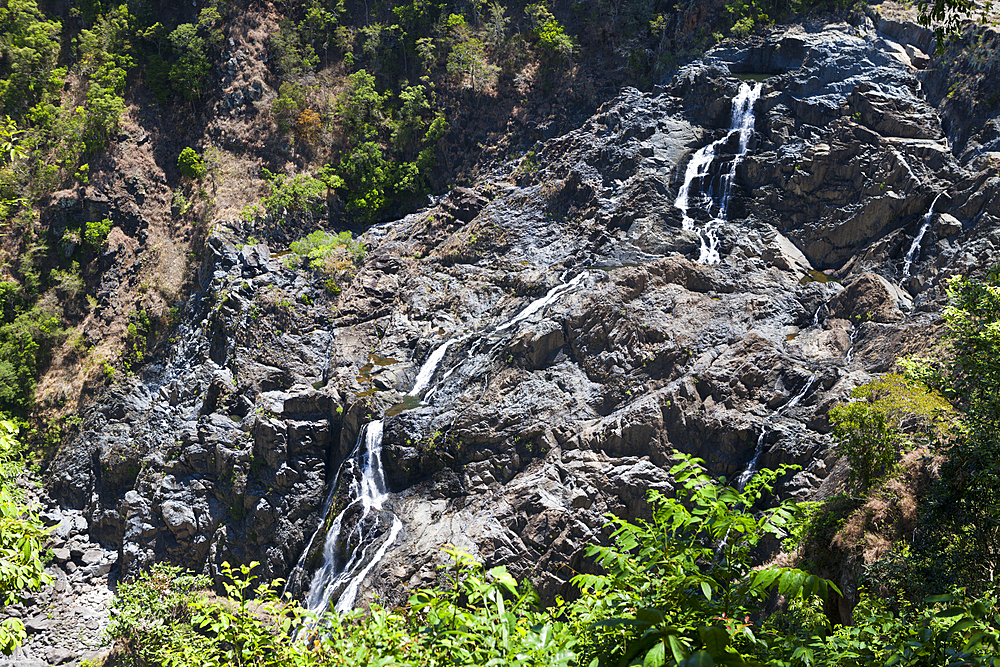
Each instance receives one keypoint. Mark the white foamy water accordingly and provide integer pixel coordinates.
(754, 466)
(914, 251)
(370, 492)
(741, 124)
(338, 580)
(426, 373)
(550, 297)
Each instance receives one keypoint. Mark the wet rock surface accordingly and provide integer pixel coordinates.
(536, 424)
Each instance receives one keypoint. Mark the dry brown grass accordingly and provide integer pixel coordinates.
(890, 513)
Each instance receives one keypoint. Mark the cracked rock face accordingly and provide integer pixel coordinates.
(538, 422)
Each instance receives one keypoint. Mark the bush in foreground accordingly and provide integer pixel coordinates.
(677, 591)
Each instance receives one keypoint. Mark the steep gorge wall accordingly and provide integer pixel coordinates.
(225, 446)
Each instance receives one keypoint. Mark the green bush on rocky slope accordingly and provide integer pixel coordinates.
(677, 591)
(21, 536)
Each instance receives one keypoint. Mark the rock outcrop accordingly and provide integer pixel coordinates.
(538, 423)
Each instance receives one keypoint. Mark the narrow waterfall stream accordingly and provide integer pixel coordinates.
(358, 529)
(754, 465)
(914, 251)
(699, 168)
(343, 579)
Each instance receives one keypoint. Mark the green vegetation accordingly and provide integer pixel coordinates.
(27, 336)
(21, 535)
(333, 255)
(879, 423)
(96, 233)
(677, 591)
(191, 164)
(957, 541)
(298, 193)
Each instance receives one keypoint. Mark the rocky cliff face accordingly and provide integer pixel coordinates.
(537, 424)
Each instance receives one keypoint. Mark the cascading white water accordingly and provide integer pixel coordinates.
(343, 579)
(742, 124)
(536, 305)
(752, 467)
(911, 254)
(426, 373)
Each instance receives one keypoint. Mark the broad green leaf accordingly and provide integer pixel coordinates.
(655, 657)
(950, 612)
(715, 639)
(676, 648)
(706, 590)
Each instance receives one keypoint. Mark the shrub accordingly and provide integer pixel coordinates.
(292, 55)
(872, 430)
(25, 343)
(678, 591)
(151, 616)
(551, 35)
(301, 192)
(318, 247)
(96, 233)
(21, 534)
(191, 164)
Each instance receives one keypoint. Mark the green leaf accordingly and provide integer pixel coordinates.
(950, 612)
(676, 648)
(655, 657)
(715, 639)
(706, 589)
(961, 626)
(698, 659)
(974, 640)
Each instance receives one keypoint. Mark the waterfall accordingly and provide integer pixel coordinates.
(367, 495)
(339, 578)
(911, 254)
(816, 322)
(536, 305)
(742, 124)
(426, 373)
(752, 467)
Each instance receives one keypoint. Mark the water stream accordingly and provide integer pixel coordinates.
(914, 251)
(699, 168)
(754, 466)
(368, 494)
(353, 545)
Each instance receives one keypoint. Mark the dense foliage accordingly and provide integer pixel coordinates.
(676, 591)
(20, 540)
(958, 540)
(884, 418)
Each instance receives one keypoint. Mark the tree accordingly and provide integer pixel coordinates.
(29, 47)
(361, 107)
(191, 164)
(21, 534)
(874, 428)
(551, 35)
(365, 173)
(191, 64)
(950, 16)
(468, 60)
